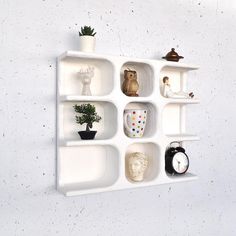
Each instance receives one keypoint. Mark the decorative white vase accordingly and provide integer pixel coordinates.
(87, 43)
(86, 76)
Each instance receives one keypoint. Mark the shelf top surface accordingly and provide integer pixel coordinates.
(163, 63)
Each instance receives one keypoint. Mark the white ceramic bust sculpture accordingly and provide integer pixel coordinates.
(137, 165)
(167, 91)
(86, 76)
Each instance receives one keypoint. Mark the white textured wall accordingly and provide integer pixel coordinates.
(33, 33)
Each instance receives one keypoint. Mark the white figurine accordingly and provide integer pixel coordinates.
(167, 91)
(137, 165)
(86, 76)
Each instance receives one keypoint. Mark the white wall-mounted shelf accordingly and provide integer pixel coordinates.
(99, 165)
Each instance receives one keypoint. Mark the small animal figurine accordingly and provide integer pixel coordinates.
(130, 85)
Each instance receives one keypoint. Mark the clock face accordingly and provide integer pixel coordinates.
(180, 162)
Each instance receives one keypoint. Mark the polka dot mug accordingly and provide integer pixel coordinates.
(135, 122)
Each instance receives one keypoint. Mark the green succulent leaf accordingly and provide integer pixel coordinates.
(87, 30)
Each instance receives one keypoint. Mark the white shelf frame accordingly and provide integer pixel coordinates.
(120, 141)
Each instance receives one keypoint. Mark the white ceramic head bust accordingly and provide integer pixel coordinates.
(137, 165)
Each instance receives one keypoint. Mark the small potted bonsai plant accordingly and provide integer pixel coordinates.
(87, 39)
(88, 116)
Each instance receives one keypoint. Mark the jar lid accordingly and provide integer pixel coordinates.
(172, 56)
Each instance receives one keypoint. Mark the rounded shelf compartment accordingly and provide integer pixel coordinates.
(102, 83)
(177, 79)
(145, 77)
(187, 176)
(173, 119)
(150, 149)
(106, 128)
(174, 122)
(135, 123)
(88, 167)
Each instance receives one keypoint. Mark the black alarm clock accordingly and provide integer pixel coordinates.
(176, 160)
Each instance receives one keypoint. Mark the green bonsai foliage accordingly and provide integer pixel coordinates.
(87, 30)
(88, 115)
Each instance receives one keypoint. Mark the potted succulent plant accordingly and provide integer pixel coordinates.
(88, 115)
(87, 39)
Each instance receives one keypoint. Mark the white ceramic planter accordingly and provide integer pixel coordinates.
(87, 43)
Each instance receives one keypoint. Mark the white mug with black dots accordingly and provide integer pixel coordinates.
(135, 122)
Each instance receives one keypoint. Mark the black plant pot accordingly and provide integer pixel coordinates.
(87, 134)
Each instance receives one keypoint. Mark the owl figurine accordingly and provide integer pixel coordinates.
(130, 85)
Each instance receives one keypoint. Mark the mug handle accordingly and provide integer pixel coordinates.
(126, 121)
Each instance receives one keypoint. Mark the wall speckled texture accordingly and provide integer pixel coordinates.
(33, 33)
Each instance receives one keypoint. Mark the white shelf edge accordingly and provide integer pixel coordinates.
(71, 143)
(180, 65)
(181, 101)
(109, 141)
(140, 140)
(138, 99)
(80, 54)
(182, 137)
(65, 189)
(76, 98)
(182, 178)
